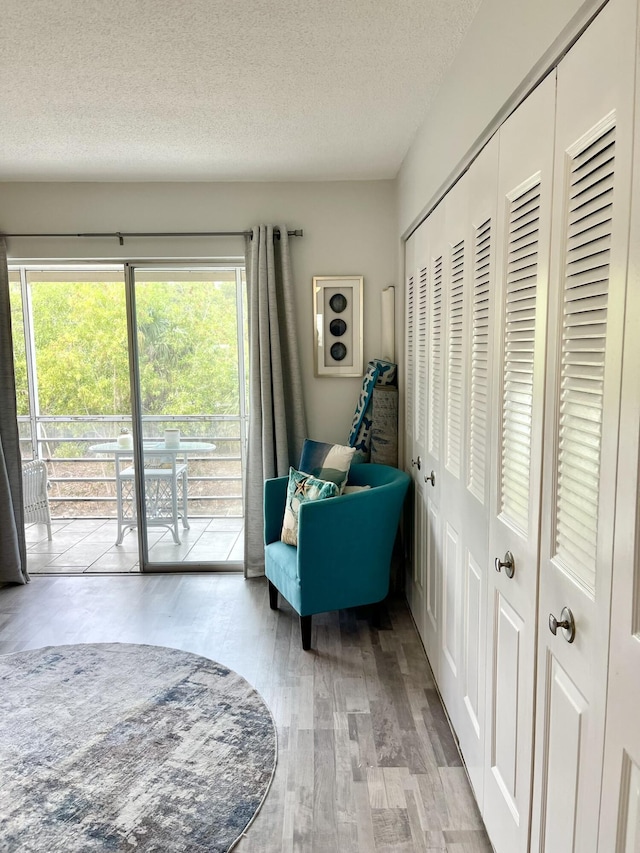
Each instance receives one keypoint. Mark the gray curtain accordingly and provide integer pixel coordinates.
(277, 423)
(13, 552)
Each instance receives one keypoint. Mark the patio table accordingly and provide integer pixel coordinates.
(166, 478)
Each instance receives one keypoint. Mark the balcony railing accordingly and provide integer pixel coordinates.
(84, 485)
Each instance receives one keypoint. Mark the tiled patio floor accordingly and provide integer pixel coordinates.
(87, 546)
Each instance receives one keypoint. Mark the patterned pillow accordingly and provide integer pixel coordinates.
(302, 488)
(387, 372)
(326, 461)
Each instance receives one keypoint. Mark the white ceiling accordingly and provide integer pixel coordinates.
(205, 90)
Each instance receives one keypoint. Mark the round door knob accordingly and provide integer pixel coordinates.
(431, 478)
(566, 623)
(508, 564)
(417, 462)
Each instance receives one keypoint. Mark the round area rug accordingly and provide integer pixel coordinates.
(114, 747)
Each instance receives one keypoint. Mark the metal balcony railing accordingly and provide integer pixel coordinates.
(84, 485)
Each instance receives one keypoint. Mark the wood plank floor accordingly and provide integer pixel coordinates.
(366, 760)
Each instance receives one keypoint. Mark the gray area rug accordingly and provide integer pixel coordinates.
(114, 747)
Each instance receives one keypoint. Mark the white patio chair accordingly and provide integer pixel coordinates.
(34, 494)
(165, 484)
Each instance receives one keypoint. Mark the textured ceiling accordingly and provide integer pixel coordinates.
(204, 90)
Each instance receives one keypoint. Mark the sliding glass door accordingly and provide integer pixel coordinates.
(188, 348)
(85, 337)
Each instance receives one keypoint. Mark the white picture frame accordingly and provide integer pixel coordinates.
(337, 325)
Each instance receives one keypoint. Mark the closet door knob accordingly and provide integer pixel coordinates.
(508, 564)
(566, 623)
(417, 462)
(431, 478)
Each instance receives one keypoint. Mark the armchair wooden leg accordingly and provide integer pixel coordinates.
(273, 596)
(305, 630)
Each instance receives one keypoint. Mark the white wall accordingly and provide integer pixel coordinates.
(349, 228)
(503, 45)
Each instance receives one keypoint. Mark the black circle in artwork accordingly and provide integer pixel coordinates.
(338, 302)
(337, 327)
(338, 351)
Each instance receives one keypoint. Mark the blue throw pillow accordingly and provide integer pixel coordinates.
(300, 489)
(326, 461)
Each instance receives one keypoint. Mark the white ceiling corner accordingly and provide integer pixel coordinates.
(204, 90)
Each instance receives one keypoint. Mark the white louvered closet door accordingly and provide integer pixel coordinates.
(589, 259)
(620, 798)
(432, 459)
(453, 297)
(473, 491)
(523, 227)
(416, 389)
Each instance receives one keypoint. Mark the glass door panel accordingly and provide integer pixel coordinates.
(189, 336)
(72, 381)
(23, 396)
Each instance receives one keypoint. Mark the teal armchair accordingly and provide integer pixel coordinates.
(343, 557)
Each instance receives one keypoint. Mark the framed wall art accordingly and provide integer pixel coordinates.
(337, 323)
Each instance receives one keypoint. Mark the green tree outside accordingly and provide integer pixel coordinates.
(187, 340)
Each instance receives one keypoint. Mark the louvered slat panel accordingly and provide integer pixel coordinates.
(478, 398)
(410, 353)
(421, 391)
(584, 331)
(519, 340)
(435, 360)
(455, 356)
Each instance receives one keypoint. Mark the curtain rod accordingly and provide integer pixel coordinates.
(120, 235)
